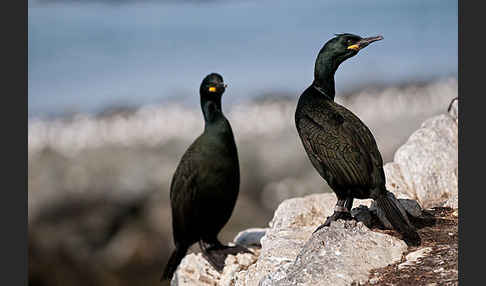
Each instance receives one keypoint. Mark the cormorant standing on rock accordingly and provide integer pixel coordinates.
(205, 185)
(339, 145)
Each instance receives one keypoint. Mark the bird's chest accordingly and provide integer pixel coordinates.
(219, 161)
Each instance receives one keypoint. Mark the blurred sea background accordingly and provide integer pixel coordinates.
(113, 104)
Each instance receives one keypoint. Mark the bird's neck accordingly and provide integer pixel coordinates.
(324, 71)
(211, 108)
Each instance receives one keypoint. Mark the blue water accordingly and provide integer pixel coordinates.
(84, 57)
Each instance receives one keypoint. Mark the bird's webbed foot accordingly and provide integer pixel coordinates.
(216, 254)
(339, 213)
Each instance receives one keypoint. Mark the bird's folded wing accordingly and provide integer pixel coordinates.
(182, 195)
(361, 132)
(335, 143)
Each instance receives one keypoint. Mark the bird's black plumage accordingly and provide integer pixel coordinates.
(339, 145)
(205, 184)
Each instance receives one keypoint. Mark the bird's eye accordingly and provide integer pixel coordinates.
(350, 42)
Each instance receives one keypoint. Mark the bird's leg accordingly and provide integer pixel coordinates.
(349, 204)
(217, 261)
(341, 211)
(215, 252)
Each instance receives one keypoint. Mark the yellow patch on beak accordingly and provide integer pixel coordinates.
(212, 89)
(354, 47)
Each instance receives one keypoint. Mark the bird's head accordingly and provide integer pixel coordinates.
(344, 46)
(212, 85)
(332, 54)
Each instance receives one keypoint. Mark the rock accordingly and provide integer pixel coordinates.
(395, 182)
(456, 213)
(425, 168)
(374, 280)
(453, 202)
(291, 228)
(250, 237)
(292, 225)
(305, 211)
(335, 256)
(423, 175)
(196, 270)
(413, 257)
(279, 249)
(289, 249)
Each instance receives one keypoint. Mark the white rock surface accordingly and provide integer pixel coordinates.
(194, 270)
(341, 254)
(290, 230)
(413, 257)
(425, 168)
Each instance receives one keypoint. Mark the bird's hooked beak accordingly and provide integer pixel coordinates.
(222, 86)
(365, 42)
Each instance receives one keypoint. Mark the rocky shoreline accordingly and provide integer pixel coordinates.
(424, 171)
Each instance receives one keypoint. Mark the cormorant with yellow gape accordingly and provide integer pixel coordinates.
(339, 145)
(205, 185)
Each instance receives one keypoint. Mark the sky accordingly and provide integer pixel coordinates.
(87, 56)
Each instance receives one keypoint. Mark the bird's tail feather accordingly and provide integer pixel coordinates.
(174, 261)
(400, 223)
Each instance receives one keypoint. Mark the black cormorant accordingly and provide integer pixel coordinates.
(205, 185)
(339, 145)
